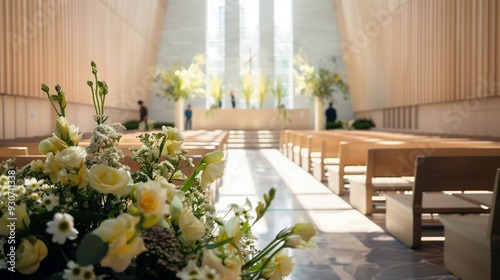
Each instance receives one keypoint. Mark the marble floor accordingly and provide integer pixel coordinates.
(350, 245)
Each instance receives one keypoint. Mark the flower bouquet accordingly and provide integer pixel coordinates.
(81, 213)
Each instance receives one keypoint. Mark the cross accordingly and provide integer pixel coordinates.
(250, 62)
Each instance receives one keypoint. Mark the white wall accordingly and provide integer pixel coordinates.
(475, 117)
(183, 37)
(315, 32)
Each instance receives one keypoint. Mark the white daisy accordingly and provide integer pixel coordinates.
(49, 201)
(209, 273)
(32, 183)
(189, 272)
(76, 272)
(61, 228)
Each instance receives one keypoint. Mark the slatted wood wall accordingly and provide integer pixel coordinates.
(53, 42)
(412, 52)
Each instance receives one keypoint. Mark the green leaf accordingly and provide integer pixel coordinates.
(218, 244)
(55, 277)
(87, 217)
(91, 251)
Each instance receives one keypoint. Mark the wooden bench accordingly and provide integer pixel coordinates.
(433, 176)
(472, 243)
(392, 169)
(13, 151)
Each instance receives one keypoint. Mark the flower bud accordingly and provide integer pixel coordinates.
(63, 100)
(213, 157)
(45, 88)
(58, 88)
(90, 83)
(62, 128)
(305, 230)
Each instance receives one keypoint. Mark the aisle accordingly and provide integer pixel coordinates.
(350, 246)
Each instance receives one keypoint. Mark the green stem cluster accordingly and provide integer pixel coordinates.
(98, 95)
(60, 98)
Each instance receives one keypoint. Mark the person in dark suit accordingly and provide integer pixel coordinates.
(189, 114)
(331, 113)
(143, 111)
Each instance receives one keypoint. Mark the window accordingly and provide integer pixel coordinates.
(216, 43)
(283, 49)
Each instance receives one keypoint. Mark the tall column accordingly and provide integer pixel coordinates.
(232, 47)
(266, 49)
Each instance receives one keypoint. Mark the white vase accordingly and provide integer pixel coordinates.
(179, 114)
(319, 114)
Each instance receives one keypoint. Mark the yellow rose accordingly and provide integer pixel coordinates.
(29, 255)
(52, 145)
(120, 234)
(107, 179)
(21, 224)
(212, 172)
(72, 157)
(174, 140)
(66, 132)
(283, 266)
(79, 179)
(37, 165)
(151, 198)
(230, 271)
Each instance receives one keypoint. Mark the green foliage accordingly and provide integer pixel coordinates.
(91, 251)
(263, 88)
(363, 124)
(278, 91)
(179, 82)
(317, 82)
(334, 125)
(247, 88)
(216, 89)
(130, 125)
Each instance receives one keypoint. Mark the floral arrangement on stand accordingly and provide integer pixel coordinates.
(81, 213)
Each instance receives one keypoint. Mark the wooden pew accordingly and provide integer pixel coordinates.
(13, 151)
(433, 176)
(392, 169)
(471, 245)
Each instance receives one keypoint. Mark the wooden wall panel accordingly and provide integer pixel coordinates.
(53, 41)
(407, 52)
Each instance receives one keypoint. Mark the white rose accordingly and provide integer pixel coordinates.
(71, 158)
(107, 179)
(192, 228)
(169, 187)
(151, 198)
(120, 234)
(52, 167)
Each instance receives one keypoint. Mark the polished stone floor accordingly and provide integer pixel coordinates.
(350, 245)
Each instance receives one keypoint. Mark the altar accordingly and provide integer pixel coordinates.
(250, 119)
